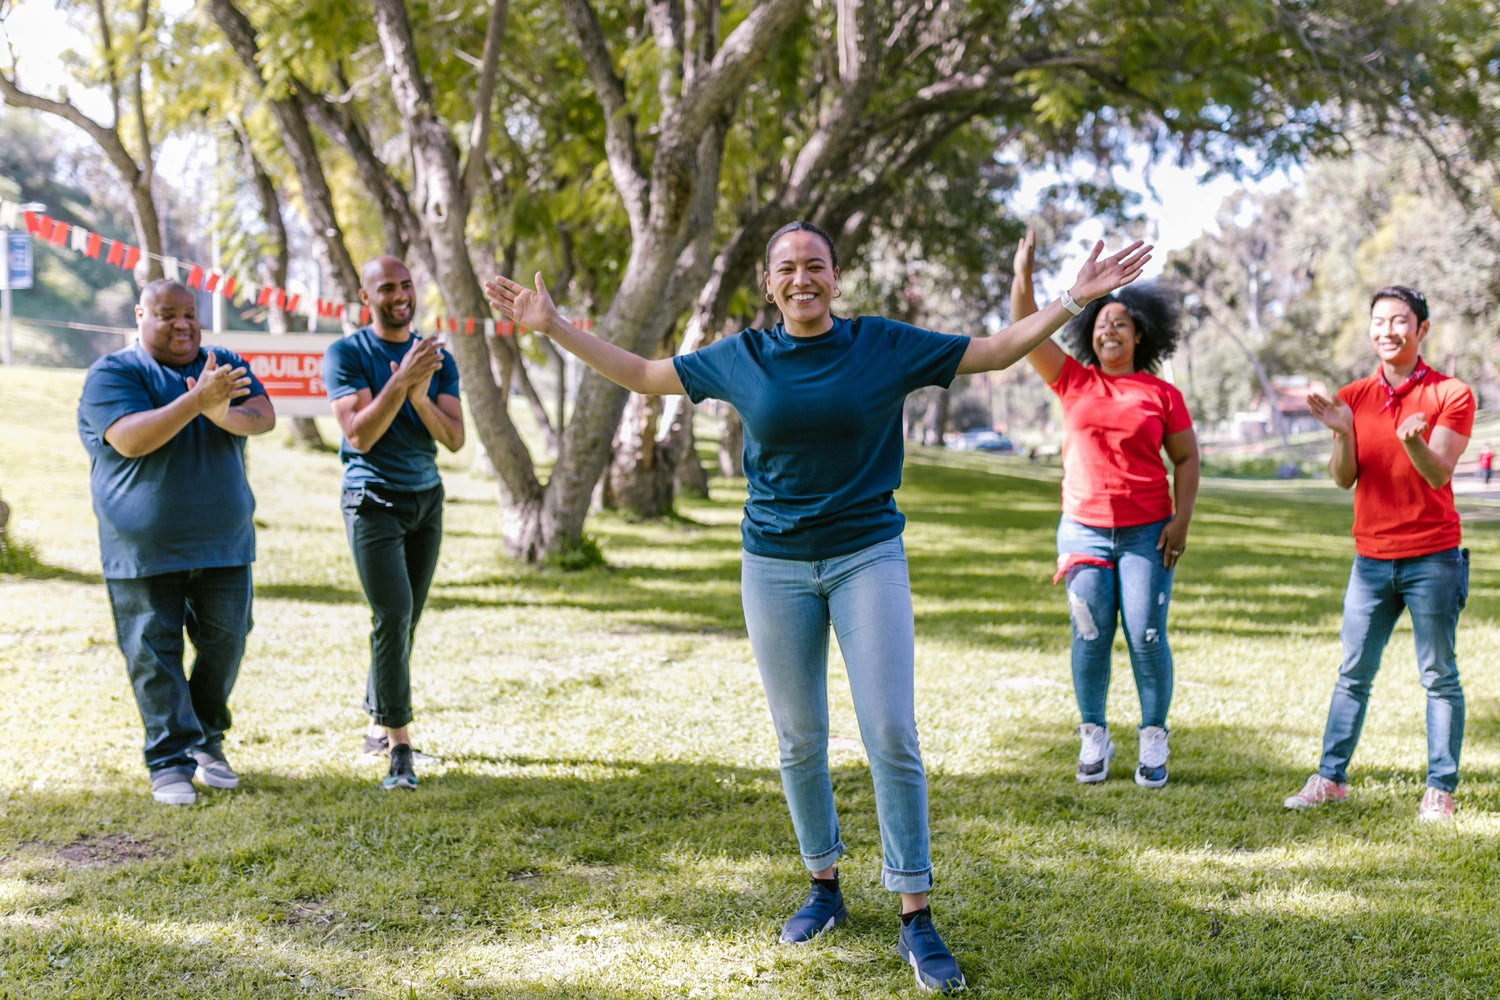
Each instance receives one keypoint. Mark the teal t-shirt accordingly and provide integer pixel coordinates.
(822, 420)
(405, 457)
(186, 505)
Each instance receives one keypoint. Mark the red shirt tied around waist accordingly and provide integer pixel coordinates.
(1397, 513)
(1113, 475)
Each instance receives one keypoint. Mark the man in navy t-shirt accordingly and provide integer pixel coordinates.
(164, 422)
(395, 396)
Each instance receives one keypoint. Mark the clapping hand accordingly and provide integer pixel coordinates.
(417, 368)
(216, 386)
(1412, 428)
(1333, 413)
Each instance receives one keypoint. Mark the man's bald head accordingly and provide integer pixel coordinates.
(386, 288)
(166, 320)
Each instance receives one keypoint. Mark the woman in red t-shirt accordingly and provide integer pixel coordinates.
(1119, 538)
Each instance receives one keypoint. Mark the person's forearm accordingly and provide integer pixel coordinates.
(1342, 464)
(1431, 466)
(142, 433)
(622, 367)
(368, 425)
(1185, 476)
(1013, 343)
(1022, 298)
(254, 416)
(445, 430)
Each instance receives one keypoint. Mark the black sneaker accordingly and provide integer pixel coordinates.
(822, 910)
(930, 960)
(402, 774)
(380, 746)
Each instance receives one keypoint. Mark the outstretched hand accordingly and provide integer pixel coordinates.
(1100, 277)
(531, 308)
(1412, 428)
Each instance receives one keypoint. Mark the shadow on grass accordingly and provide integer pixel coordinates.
(17, 559)
(562, 877)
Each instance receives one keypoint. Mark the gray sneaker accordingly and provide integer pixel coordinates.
(380, 746)
(173, 788)
(213, 770)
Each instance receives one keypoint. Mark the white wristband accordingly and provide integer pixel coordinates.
(1070, 304)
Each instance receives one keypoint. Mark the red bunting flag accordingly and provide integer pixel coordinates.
(264, 299)
(229, 288)
(116, 253)
(278, 298)
(59, 233)
(44, 228)
(132, 258)
(291, 305)
(195, 277)
(92, 249)
(364, 315)
(211, 282)
(33, 223)
(469, 325)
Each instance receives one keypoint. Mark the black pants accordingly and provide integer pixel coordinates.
(395, 536)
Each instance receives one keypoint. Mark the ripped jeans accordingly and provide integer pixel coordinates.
(1137, 591)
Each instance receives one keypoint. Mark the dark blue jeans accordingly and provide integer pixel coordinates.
(182, 712)
(394, 535)
(1434, 588)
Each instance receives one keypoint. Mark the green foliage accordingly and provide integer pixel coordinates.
(586, 555)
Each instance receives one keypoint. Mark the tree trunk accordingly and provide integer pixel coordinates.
(935, 420)
(692, 477)
(731, 442)
(641, 477)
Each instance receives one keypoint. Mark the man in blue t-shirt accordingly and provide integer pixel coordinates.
(164, 422)
(395, 396)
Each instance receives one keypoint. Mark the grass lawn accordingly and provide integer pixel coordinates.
(608, 819)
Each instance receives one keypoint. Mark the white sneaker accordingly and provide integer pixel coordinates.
(172, 788)
(1094, 753)
(1151, 772)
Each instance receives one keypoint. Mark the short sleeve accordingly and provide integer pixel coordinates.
(233, 360)
(926, 358)
(111, 391)
(1458, 409)
(708, 372)
(342, 372)
(1178, 418)
(1067, 378)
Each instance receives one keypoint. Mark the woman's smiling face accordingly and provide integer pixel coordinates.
(801, 280)
(1115, 338)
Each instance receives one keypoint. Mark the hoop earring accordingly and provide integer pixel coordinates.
(837, 291)
(770, 298)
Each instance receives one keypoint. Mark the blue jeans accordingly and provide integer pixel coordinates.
(395, 536)
(1137, 592)
(1434, 588)
(866, 595)
(182, 712)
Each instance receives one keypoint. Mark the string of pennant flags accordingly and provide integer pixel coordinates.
(215, 281)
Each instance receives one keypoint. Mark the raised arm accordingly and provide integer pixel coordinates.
(1047, 359)
(1334, 413)
(533, 309)
(1095, 278)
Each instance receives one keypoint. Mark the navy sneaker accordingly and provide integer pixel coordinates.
(822, 911)
(402, 774)
(930, 960)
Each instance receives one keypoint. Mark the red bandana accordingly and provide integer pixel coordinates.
(1418, 375)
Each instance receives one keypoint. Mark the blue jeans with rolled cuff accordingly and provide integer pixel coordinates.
(866, 596)
(182, 711)
(395, 536)
(1434, 588)
(1136, 591)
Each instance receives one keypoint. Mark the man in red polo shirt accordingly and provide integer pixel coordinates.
(1397, 436)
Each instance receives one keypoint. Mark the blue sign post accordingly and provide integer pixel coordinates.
(16, 273)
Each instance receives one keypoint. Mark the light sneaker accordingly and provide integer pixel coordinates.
(1151, 772)
(823, 910)
(1095, 751)
(1436, 807)
(931, 962)
(173, 788)
(401, 774)
(1317, 791)
(213, 770)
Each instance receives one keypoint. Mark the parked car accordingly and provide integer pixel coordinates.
(983, 440)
